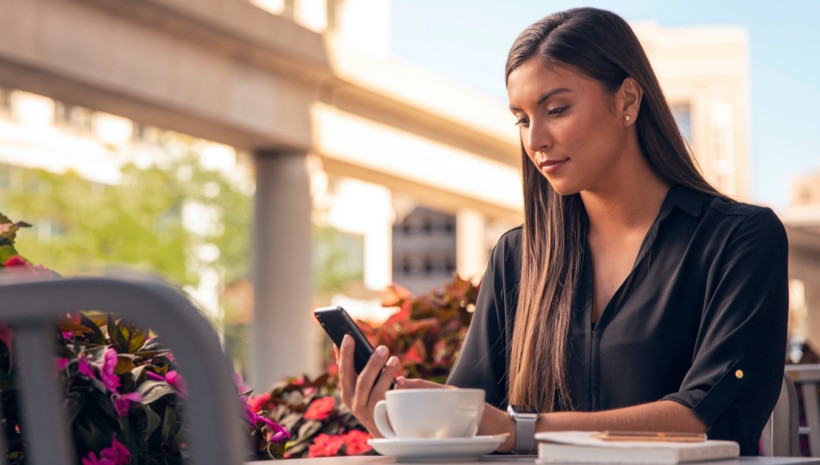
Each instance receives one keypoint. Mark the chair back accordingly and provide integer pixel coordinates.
(780, 435)
(806, 378)
(30, 307)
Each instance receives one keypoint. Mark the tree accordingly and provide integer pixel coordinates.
(81, 226)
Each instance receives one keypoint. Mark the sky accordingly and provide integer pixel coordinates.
(468, 40)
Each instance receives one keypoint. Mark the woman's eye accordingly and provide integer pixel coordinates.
(556, 111)
(522, 122)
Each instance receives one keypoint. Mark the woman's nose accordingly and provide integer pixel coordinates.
(538, 139)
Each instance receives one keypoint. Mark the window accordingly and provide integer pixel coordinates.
(73, 117)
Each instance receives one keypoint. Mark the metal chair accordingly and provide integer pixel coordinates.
(806, 378)
(780, 435)
(30, 307)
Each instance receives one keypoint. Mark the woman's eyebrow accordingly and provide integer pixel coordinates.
(544, 97)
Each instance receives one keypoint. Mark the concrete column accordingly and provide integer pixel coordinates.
(471, 249)
(283, 341)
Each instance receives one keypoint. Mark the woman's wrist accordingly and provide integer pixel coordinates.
(497, 421)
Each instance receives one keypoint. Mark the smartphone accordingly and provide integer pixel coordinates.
(337, 322)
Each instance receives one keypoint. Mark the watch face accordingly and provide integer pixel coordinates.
(523, 408)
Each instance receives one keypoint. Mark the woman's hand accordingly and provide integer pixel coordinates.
(361, 392)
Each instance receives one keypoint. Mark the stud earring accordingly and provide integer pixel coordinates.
(627, 117)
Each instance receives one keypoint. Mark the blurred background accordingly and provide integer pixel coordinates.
(273, 156)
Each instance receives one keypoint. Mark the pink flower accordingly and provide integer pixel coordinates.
(278, 434)
(107, 375)
(117, 453)
(62, 363)
(93, 460)
(174, 379)
(85, 368)
(320, 408)
(240, 386)
(123, 402)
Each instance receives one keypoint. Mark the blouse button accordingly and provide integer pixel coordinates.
(739, 374)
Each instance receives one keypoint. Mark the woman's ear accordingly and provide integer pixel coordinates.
(630, 95)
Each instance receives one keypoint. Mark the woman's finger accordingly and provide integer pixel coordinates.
(366, 381)
(386, 378)
(347, 371)
(405, 383)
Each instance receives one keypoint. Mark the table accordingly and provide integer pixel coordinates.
(521, 460)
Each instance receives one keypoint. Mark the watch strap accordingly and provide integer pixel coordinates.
(524, 432)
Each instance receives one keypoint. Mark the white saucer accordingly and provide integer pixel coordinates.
(437, 449)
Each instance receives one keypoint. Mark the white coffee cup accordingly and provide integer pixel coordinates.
(429, 413)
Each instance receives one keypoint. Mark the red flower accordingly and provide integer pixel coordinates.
(16, 260)
(320, 408)
(257, 403)
(18, 264)
(325, 446)
(356, 441)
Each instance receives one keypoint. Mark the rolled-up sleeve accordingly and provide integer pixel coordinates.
(739, 355)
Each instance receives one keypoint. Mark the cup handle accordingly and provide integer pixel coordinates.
(380, 417)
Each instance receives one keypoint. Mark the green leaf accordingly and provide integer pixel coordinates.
(152, 390)
(153, 421)
(8, 229)
(130, 336)
(169, 426)
(136, 373)
(124, 364)
(308, 429)
(96, 335)
(6, 250)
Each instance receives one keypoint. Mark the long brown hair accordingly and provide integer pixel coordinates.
(602, 46)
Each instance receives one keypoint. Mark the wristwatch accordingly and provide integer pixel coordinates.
(524, 417)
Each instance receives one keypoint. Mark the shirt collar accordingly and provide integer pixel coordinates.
(686, 199)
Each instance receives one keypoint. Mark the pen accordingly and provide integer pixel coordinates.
(650, 436)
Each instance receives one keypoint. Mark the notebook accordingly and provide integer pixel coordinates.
(584, 447)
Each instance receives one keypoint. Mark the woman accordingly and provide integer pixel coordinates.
(634, 296)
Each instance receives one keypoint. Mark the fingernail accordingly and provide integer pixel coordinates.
(381, 351)
(347, 340)
(400, 381)
(392, 361)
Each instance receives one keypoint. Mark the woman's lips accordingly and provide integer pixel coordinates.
(551, 166)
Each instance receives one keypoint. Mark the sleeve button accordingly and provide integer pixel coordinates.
(739, 374)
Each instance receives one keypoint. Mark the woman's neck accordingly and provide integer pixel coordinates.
(628, 205)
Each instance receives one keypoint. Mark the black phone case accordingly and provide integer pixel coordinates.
(337, 322)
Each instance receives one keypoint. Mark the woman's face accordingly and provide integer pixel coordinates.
(570, 126)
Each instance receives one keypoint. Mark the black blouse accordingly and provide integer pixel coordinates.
(700, 320)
